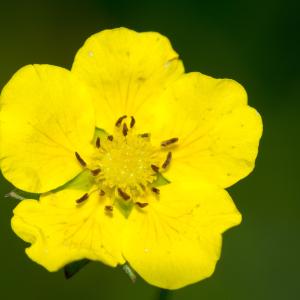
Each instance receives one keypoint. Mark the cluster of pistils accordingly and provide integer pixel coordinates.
(127, 161)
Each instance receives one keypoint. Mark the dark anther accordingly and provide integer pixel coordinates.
(81, 161)
(132, 122)
(144, 135)
(155, 168)
(102, 193)
(83, 198)
(95, 172)
(142, 186)
(125, 129)
(109, 208)
(169, 142)
(123, 194)
(98, 142)
(155, 190)
(167, 161)
(141, 205)
(119, 121)
(110, 138)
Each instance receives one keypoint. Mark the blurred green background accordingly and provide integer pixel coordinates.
(254, 42)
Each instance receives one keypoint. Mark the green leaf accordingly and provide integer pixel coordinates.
(71, 269)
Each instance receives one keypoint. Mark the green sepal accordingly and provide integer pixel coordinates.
(160, 180)
(82, 181)
(71, 269)
(127, 269)
(20, 195)
(101, 133)
(124, 207)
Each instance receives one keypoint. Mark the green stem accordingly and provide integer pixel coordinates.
(164, 294)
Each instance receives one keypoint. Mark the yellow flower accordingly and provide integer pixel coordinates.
(131, 157)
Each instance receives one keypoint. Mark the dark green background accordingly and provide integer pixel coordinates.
(254, 42)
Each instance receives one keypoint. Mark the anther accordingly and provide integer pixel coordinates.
(102, 193)
(144, 135)
(109, 208)
(123, 194)
(83, 198)
(110, 138)
(169, 142)
(167, 161)
(125, 129)
(155, 168)
(132, 122)
(98, 142)
(155, 190)
(95, 172)
(141, 205)
(119, 121)
(80, 160)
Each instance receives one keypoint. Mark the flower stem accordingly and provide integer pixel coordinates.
(164, 294)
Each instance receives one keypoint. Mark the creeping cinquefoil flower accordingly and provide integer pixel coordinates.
(130, 156)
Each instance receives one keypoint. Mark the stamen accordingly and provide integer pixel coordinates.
(155, 168)
(141, 205)
(109, 208)
(132, 122)
(80, 160)
(125, 129)
(169, 142)
(98, 142)
(83, 198)
(155, 190)
(167, 161)
(110, 138)
(95, 172)
(119, 121)
(144, 135)
(123, 194)
(102, 193)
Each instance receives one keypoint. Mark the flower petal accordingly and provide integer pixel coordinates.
(176, 240)
(46, 115)
(62, 231)
(125, 69)
(218, 132)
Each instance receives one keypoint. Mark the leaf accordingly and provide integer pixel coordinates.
(71, 269)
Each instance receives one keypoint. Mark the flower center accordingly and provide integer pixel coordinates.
(126, 164)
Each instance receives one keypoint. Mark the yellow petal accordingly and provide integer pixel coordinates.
(62, 231)
(218, 132)
(125, 69)
(46, 115)
(176, 240)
